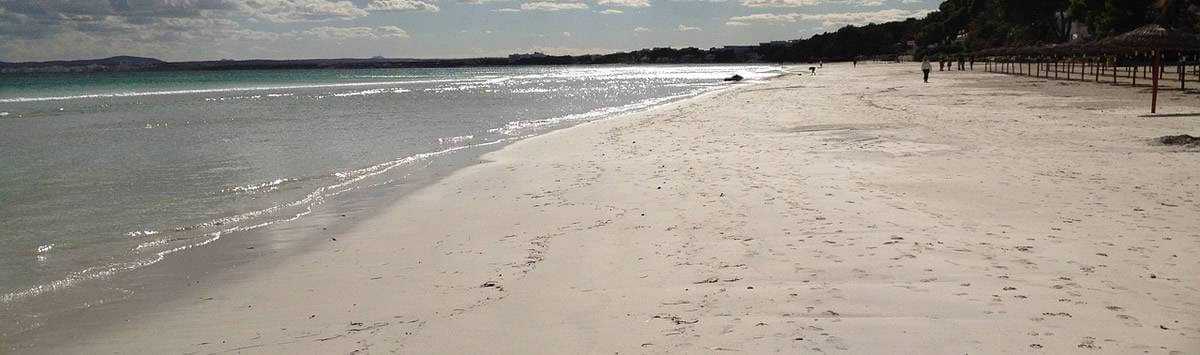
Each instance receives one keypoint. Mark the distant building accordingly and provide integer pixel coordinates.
(534, 55)
(739, 50)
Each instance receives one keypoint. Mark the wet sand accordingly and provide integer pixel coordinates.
(855, 211)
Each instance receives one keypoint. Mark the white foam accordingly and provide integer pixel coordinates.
(216, 90)
(532, 91)
(455, 140)
(371, 92)
(514, 127)
(254, 187)
(135, 234)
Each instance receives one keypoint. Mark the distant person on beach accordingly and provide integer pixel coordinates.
(926, 68)
(941, 65)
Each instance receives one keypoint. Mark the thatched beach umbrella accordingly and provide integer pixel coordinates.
(1155, 39)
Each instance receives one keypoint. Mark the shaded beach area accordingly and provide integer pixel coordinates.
(854, 211)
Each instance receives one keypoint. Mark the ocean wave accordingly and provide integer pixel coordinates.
(135, 234)
(514, 127)
(215, 90)
(455, 139)
(249, 97)
(455, 88)
(532, 91)
(371, 92)
(270, 185)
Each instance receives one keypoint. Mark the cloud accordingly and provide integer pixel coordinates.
(479, 2)
(612, 12)
(829, 20)
(401, 5)
(684, 28)
(624, 3)
(803, 3)
(774, 19)
(508, 10)
(641, 29)
(342, 33)
(553, 6)
(301, 10)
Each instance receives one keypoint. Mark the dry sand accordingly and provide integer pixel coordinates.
(856, 211)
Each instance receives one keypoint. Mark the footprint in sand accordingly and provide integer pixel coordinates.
(1129, 320)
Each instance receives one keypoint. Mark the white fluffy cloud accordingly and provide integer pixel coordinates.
(401, 5)
(686, 28)
(301, 10)
(624, 3)
(553, 6)
(802, 3)
(341, 33)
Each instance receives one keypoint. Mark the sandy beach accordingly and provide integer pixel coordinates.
(854, 211)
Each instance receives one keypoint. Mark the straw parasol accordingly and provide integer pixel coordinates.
(1152, 38)
(1155, 39)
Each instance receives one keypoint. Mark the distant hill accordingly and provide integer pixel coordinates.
(118, 63)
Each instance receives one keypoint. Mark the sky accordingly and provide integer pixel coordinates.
(178, 30)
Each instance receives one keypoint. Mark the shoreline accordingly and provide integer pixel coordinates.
(856, 212)
(236, 257)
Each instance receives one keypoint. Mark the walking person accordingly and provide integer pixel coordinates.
(926, 68)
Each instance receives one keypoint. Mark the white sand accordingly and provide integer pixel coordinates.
(857, 211)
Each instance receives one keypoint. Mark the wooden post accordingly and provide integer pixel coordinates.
(1154, 85)
(1181, 69)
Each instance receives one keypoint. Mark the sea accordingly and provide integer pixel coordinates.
(112, 185)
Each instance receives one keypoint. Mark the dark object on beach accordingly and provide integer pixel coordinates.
(1182, 139)
(735, 77)
(813, 70)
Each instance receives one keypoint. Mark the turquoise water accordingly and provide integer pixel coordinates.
(104, 175)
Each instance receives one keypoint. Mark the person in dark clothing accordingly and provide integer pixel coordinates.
(926, 68)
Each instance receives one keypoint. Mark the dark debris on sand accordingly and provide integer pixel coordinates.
(1183, 139)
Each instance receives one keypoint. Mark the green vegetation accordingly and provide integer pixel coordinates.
(968, 25)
